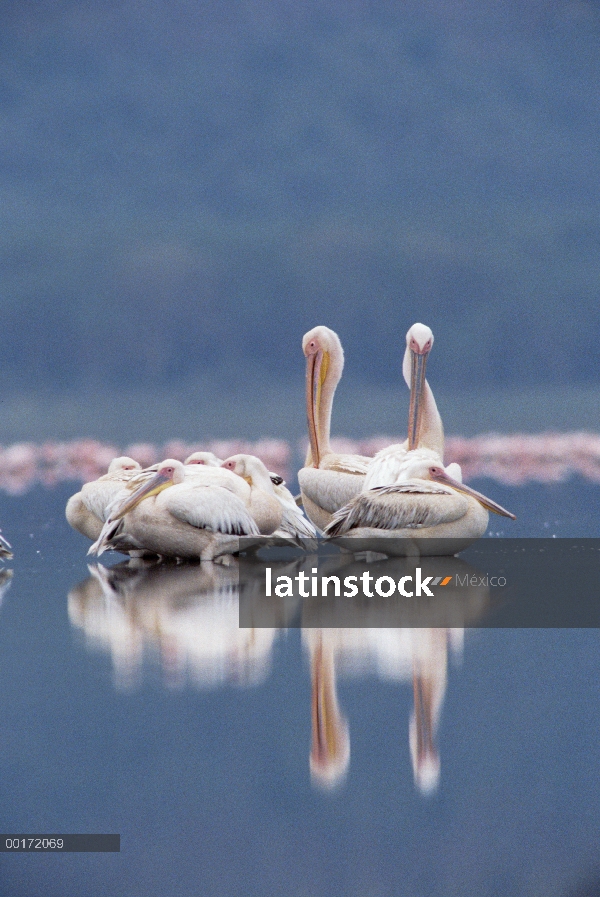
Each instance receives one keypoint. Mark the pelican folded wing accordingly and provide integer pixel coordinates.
(397, 507)
(212, 508)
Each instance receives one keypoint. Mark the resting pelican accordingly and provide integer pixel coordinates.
(328, 480)
(212, 461)
(207, 458)
(293, 523)
(428, 503)
(425, 429)
(5, 548)
(87, 510)
(199, 517)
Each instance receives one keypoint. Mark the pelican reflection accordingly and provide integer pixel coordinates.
(185, 615)
(5, 581)
(400, 655)
(330, 742)
(188, 617)
(394, 639)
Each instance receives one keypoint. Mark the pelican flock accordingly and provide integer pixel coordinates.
(201, 515)
(199, 509)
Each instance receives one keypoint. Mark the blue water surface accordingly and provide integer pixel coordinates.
(147, 714)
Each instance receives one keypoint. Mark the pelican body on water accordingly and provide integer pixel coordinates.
(87, 510)
(407, 493)
(430, 508)
(198, 516)
(293, 524)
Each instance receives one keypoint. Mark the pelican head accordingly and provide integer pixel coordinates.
(437, 474)
(251, 469)
(123, 463)
(168, 474)
(419, 341)
(206, 458)
(324, 360)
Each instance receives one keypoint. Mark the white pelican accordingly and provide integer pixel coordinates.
(87, 510)
(5, 548)
(328, 480)
(428, 503)
(293, 522)
(199, 517)
(211, 460)
(207, 458)
(425, 429)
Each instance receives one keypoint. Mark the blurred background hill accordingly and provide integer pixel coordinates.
(187, 187)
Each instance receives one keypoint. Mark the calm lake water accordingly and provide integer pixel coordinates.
(144, 710)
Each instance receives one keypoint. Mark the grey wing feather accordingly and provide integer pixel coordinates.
(5, 548)
(212, 508)
(108, 533)
(377, 509)
(295, 523)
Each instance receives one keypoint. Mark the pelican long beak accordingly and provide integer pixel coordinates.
(154, 485)
(417, 386)
(316, 370)
(483, 500)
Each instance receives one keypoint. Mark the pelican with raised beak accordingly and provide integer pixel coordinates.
(328, 479)
(425, 429)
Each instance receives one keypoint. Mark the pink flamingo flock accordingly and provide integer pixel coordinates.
(512, 459)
